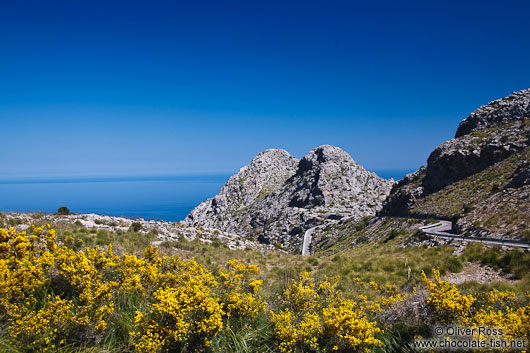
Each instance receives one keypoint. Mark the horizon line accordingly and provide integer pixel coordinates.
(194, 176)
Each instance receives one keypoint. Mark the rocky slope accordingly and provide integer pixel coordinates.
(480, 177)
(165, 231)
(267, 172)
(277, 203)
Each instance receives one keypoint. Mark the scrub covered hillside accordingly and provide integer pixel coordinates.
(59, 295)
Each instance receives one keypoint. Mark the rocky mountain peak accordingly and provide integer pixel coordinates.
(328, 176)
(322, 155)
(272, 155)
(500, 112)
(266, 172)
(276, 196)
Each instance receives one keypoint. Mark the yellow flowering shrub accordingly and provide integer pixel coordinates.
(446, 300)
(45, 327)
(58, 294)
(348, 325)
(26, 264)
(298, 324)
(316, 316)
(85, 272)
(291, 332)
(241, 289)
(496, 297)
(187, 315)
(301, 294)
(138, 274)
(502, 312)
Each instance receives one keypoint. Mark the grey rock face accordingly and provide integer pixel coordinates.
(326, 184)
(461, 157)
(404, 194)
(500, 112)
(267, 171)
(488, 135)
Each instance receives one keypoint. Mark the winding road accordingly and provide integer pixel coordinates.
(307, 241)
(441, 228)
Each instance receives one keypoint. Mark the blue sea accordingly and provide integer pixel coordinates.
(159, 198)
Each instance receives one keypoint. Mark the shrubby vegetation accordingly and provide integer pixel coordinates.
(69, 292)
(63, 210)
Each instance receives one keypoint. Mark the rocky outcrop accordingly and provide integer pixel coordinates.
(326, 184)
(404, 194)
(500, 112)
(469, 154)
(267, 171)
(165, 231)
(487, 137)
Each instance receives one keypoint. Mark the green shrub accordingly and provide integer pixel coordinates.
(312, 261)
(135, 227)
(63, 210)
(455, 264)
(389, 268)
(467, 208)
(216, 243)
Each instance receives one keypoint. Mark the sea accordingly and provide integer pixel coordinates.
(168, 198)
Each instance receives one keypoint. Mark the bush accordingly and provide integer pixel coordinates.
(63, 210)
(455, 264)
(56, 295)
(135, 227)
(312, 261)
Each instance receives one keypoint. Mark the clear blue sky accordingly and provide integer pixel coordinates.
(167, 87)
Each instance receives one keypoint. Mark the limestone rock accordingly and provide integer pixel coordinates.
(325, 184)
(489, 135)
(267, 171)
(404, 194)
(500, 112)
(460, 157)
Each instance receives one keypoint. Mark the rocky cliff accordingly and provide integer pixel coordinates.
(267, 172)
(484, 165)
(280, 198)
(501, 112)
(488, 135)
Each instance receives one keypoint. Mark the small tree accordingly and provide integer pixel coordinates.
(63, 210)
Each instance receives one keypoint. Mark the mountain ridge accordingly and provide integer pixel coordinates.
(326, 183)
(479, 178)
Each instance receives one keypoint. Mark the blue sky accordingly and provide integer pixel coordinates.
(92, 88)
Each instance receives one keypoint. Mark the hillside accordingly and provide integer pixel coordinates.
(137, 298)
(480, 178)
